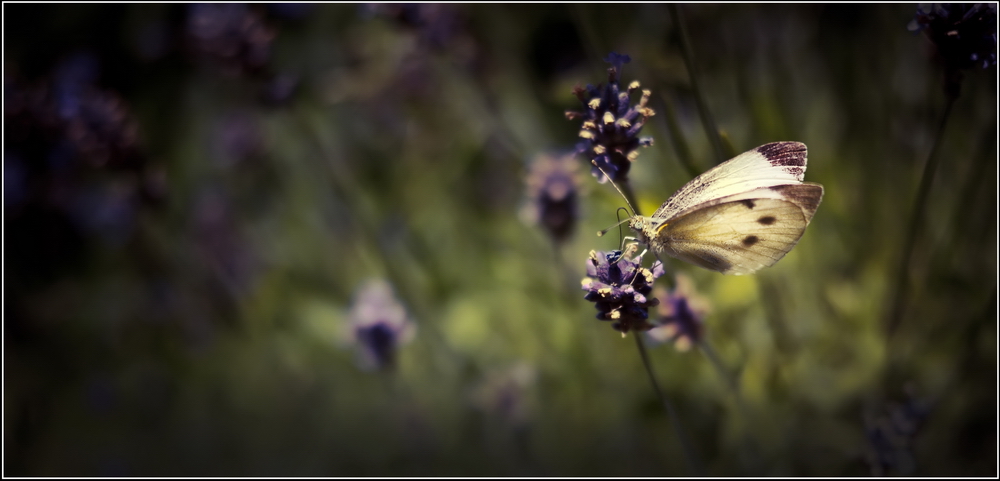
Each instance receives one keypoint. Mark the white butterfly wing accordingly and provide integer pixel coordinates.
(777, 163)
(741, 236)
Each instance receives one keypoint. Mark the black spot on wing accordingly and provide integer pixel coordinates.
(714, 262)
(784, 153)
(750, 240)
(767, 220)
(749, 203)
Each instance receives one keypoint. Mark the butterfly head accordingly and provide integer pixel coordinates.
(645, 228)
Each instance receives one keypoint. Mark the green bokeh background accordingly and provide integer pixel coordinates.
(403, 156)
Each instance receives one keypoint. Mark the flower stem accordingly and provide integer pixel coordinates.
(919, 206)
(706, 348)
(689, 456)
(707, 121)
(751, 444)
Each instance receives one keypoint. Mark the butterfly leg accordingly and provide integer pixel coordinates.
(634, 247)
(625, 240)
(630, 249)
(627, 251)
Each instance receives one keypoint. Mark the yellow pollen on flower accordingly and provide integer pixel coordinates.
(646, 112)
(594, 103)
(623, 123)
(600, 149)
(634, 85)
(589, 124)
(604, 291)
(631, 156)
(645, 97)
(586, 134)
(615, 314)
(609, 118)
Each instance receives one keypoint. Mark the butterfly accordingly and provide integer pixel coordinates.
(739, 216)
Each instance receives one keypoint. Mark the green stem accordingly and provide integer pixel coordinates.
(923, 194)
(689, 456)
(770, 296)
(706, 348)
(749, 442)
(345, 185)
(707, 121)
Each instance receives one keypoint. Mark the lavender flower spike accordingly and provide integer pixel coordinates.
(680, 316)
(619, 288)
(380, 325)
(611, 126)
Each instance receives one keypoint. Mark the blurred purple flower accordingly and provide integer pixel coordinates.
(106, 209)
(553, 195)
(237, 137)
(280, 89)
(965, 36)
(680, 315)
(231, 34)
(964, 33)
(70, 119)
(437, 24)
(221, 243)
(611, 126)
(66, 137)
(103, 131)
(71, 79)
(619, 288)
(379, 324)
(15, 180)
(506, 394)
(890, 434)
(290, 10)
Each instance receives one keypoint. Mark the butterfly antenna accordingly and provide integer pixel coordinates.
(620, 235)
(620, 222)
(613, 184)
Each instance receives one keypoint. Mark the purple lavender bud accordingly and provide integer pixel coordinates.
(619, 288)
(380, 324)
(553, 195)
(964, 33)
(611, 126)
(680, 315)
(230, 34)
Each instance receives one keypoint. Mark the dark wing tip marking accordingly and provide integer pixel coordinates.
(750, 240)
(749, 203)
(767, 220)
(791, 154)
(807, 196)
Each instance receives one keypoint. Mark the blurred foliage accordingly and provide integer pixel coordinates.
(193, 195)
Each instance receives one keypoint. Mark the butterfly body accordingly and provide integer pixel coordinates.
(740, 216)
